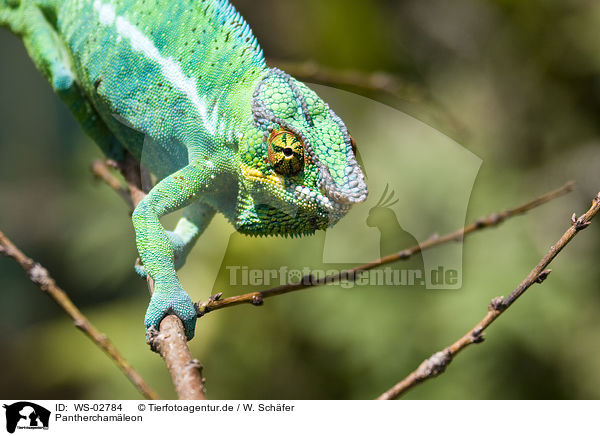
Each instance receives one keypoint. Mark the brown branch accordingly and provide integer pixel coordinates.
(101, 170)
(380, 82)
(170, 341)
(432, 366)
(40, 276)
(257, 298)
(186, 372)
(438, 362)
(376, 82)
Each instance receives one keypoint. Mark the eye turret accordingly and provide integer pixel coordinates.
(285, 152)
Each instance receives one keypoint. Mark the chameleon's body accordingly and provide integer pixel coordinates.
(183, 86)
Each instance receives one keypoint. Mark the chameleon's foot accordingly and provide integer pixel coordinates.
(171, 303)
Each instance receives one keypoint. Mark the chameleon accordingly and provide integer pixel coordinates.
(184, 87)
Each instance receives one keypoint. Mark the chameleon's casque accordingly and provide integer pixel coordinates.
(183, 86)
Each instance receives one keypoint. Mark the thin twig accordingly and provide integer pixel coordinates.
(437, 363)
(101, 170)
(40, 276)
(380, 83)
(170, 342)
(131, 170)
(257, 298)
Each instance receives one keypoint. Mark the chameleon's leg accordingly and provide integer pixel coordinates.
(156, 250)
(195, 219)
(51, 57)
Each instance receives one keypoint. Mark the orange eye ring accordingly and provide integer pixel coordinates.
(285, 152)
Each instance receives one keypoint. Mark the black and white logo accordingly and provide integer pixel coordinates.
(26, 415)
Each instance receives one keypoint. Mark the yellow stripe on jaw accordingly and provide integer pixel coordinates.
(254, 174)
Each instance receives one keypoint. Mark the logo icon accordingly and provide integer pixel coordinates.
(26, 415)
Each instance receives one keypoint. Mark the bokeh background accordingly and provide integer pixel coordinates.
(516, 83)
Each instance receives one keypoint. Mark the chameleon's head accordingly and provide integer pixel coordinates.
(298, 166)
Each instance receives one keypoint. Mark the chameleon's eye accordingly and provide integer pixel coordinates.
(286, 153)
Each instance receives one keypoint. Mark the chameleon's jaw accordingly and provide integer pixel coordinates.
(286, 207)
(304, 194)
(300, 195)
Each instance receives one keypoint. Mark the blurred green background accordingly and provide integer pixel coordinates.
(516, 83)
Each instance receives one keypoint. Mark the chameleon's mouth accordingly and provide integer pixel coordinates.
(286, 194)
(303, 194)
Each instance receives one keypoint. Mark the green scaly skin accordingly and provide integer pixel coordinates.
(183, 86)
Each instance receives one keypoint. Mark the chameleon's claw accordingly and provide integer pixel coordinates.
(172, 303)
